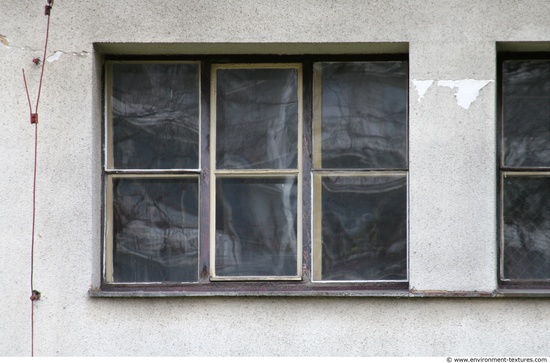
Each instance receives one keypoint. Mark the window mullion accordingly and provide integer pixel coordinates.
(307, 152)
(205, 179)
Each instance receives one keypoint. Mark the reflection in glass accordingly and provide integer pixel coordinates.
(526, 113)
(155, 229)
(256, 226)
(363, 114)
(526, 227)
(155, 116)
(364, 227)
(257, 118)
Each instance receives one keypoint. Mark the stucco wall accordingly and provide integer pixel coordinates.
(452, 184)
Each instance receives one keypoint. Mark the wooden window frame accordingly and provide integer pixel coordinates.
(206, 285)
(503, 171)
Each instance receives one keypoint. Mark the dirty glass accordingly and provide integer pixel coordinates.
(526, 229)
(364, 227)
(256, 226)
(526, 113)
(155, 115)
(257, 118)
(155, 229)
(363, 112)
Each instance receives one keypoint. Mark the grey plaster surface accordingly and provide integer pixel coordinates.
(452, 181)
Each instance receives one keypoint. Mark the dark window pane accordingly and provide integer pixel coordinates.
(364, 228)
(526, 227)
(256, 226)
(155, 116)
(526, 113)
(257, 118)
(364, 114)
(155, 230)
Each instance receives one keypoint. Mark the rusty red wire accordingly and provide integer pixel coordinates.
(35, 295)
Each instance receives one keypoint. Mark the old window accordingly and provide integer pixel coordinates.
(525, 170)
(256, 175)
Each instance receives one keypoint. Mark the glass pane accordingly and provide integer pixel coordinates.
(257, 118)
(364, 227)
(155, 229)
(526, 113)
(364, 114)
(155, 116)
(256, 226)
(526, 227)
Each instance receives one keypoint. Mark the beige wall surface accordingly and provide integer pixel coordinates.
(452, 180)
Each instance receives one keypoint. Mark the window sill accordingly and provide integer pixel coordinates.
(156, 293)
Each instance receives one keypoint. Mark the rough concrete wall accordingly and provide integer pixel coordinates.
(452, 228)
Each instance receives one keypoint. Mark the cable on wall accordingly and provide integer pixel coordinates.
(35, 295)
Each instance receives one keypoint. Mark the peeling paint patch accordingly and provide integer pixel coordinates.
(54, 57)
(4, 40)
(81, 54)
(422, 87)
(468, 90)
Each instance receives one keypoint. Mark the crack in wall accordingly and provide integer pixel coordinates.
(58, 53)
(51, 58)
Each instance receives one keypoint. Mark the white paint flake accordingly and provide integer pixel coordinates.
(468, 90)
(422, 87)
(54, 57)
